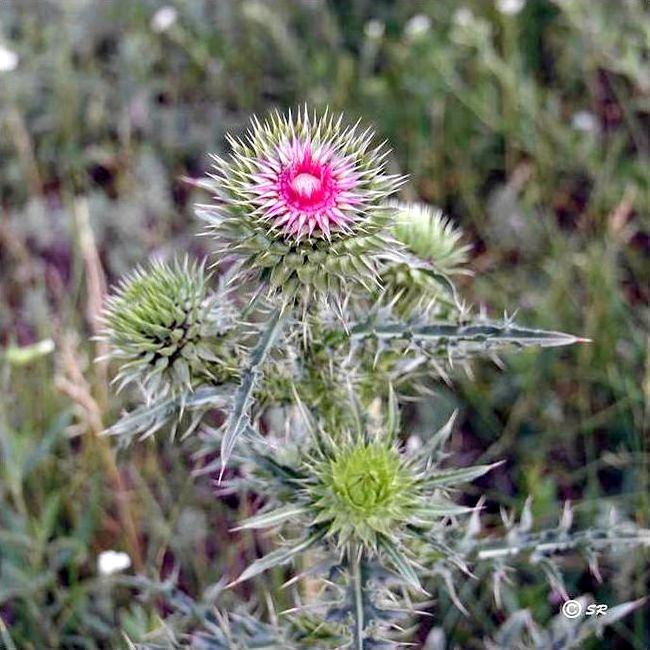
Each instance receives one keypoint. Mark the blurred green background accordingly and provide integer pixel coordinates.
(527, 122)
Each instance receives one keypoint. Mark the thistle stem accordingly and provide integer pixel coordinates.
(358, 577)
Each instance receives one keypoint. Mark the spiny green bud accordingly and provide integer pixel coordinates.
(363, 489)
(162, 326)
(430, 235)
(360, 494)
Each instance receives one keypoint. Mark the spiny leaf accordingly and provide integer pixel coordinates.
(438, 440)
(462, 475)
(469, 339)
(400, 562)
(277, 557)
(146, 420)
(270, 518)
(238, 419)
(442, 508)
(616, 613)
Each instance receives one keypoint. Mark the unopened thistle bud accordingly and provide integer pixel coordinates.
(162, 327)
(363, 490)
(362, 494)
(430, 236)
(427, 233)
(302, 201)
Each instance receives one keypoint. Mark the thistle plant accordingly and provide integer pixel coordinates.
(339, 305)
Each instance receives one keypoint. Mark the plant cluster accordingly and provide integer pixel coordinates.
(340, 305)
(525, 121)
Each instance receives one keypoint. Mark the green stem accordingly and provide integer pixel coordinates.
(358, 578)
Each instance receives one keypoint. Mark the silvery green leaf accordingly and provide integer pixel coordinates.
(462, 340)
(270, 518)
(277, 557)
(239, 419)
(463, 475)
(435, 509)
(616, 613)
(146, 420)
(400, 562)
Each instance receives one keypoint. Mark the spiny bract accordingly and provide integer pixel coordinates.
(302, 201)
(161, 325)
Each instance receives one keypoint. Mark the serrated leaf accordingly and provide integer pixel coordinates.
(277, 557)
(400, 562)
(238, 419)
(465, 340)
(270, 518)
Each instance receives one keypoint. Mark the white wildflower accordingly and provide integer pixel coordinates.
(375, 29)
(110, 562)
(8, 60)
(510, 7)
(163, 19)
(463, 17)
(584, 121)
(417, 26)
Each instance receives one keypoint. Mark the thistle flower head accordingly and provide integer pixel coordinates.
(302, 196)
(359, 492)
(161, 326)
(427, 233)
(305, 186)
(363, 489)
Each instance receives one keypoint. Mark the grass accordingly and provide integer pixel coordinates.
(530, 130)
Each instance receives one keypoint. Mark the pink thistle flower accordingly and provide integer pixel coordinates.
(303, 200)
(304, 177)
(304, 188)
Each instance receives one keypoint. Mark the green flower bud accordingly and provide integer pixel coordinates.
(363, 489)
(165, 330)
(428, 234)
